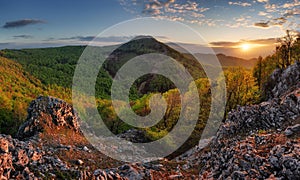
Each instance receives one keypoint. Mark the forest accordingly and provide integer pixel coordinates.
(27, 73)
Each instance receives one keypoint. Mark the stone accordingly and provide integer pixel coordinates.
(36, 156)
(85, 148)
(176, 176)
(288, 132)
(295, 128)
(239, 175)
(23, 159)
(79, 162)
(3, 145)
(135, 136)
(47, 111)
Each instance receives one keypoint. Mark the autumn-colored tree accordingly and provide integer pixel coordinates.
(241, 88)
(286, 51)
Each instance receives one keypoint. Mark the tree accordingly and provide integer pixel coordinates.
(258, 72)
(285, 51)
(241, 88)
(296, 49)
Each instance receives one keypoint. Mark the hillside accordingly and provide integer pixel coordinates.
(44, 150)
(257, 141)
(229, 61)
(18, 88)
(143, 45)
(57, 65)
(235, 61)
(224, 60)
(53, 68)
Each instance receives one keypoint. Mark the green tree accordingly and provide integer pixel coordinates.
(241, 88)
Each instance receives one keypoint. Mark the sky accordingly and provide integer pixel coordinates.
(245, 28)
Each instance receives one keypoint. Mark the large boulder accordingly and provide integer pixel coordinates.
(47, 112)
(283, 81)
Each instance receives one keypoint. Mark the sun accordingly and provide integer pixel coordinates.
(245, 47)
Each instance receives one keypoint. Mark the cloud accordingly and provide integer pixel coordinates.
(261, 13)
(159, 7)
(262, 24)
(113, 39)
(23, 36)
(291, 5)
(244, 4)
(263, 41)
(272, 22)
(153, 7)
(230, 44)
(77, 38)
(278, 21)
(242, 21)
(237, 44)
(174, 10)
(263, 1)
(224, 44)
(293, 12)
(22, 23)
(271, 7)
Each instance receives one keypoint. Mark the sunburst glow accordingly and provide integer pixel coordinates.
(245, 47)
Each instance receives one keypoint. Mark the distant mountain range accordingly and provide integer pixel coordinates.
(235, 61)
(224, 60)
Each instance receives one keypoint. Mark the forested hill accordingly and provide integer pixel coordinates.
(50, 65)
(235, 61)
(27, 73)
(18, 88)
(56, 65)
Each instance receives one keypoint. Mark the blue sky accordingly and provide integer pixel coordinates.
(225, 25)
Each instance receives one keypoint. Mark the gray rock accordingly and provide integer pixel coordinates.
(288, 132)
(51, 112)
(3, 145)
(85, 148)
(79, 162)
(291, 130)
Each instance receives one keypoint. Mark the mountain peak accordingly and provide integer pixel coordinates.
(143, 37)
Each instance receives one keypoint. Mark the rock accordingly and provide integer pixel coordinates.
(291, 130)
(6, 166)
(176, 176)
(101, 174)
(3, 145)
(48, 112)
(288, 132)
(239, 175)
(23, 159)
(85, 148)
(282, 82)
(135, 136)
(295, 128)
(79, 162)
(97, 172)
(36, 156)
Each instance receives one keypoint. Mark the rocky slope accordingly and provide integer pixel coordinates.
(255, 142)
(50, 145)
(259, 141)
(282, 82)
